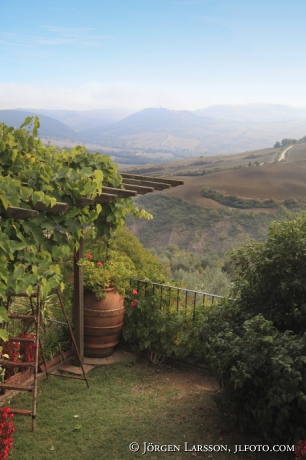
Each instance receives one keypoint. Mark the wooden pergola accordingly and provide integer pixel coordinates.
(132, 184)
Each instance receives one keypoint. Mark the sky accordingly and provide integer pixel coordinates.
(133, 54)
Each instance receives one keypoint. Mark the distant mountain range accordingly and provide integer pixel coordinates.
(50, 128)
(85, 119)
(219, 129)
(253, 112)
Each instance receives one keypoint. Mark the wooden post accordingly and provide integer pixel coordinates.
(78, 302)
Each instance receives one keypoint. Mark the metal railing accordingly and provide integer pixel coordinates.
(173, 295)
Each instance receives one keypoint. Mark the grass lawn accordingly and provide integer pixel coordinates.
(128, 402)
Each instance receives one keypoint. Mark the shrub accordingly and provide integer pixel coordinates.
(237, 202)
(129, 247)
(256, 344)
(271, 276)
(152, 325)
(55, 339)
(263, 374)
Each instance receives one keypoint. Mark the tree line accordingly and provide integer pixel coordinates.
(288, 141)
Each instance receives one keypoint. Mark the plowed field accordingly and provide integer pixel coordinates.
(276, 180)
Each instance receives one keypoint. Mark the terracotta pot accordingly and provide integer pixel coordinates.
(103, 321)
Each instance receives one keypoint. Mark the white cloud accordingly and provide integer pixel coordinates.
(132, 96)
(94, 95)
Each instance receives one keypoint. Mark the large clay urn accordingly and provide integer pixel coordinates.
(103, 321)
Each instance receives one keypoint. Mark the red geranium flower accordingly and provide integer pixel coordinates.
(300, 450)
(100, 264)
(89, 256)
(134, 291)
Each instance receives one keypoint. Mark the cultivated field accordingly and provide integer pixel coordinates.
(297, 153)
(209, 162)
(274, 179)
(202, 225)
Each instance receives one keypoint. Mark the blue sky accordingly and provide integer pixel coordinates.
(179, 54)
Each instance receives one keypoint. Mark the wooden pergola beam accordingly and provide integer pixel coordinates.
(121, 193)
(106, 197)
(146, 183)
(58, 207)
(103, 198)
(172, 182)
(138, 188)
(20, 213)
(84, 202)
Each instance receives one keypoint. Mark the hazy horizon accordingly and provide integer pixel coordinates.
(97, 109)
(177, 54)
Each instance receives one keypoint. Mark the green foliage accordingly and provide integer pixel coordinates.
(3, 317)
(212, 280)
(123, 257)
(101, 271)
(147, 266)
(262, 371)
(236, 202)
(202, 230)
(288, 141)
(55, 339)
(49, 309)
(189, 261)
(202, 172)
(256, 344)
(175, 215)
(201, 272)
(159, 327)
(271, 276)
(32, 172)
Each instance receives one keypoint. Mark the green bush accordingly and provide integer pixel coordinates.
(147, 266)
(55, 340)
(152, 325)
(256, 344)
(237, 202)
(263, 372)
(212, 280)
(271, 276)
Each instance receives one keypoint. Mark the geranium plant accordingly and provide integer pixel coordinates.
(112, 271)
(18, 352)
(300, 450)
(6, 432)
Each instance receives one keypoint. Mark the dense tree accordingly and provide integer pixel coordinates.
(271, 276)
(256, 343)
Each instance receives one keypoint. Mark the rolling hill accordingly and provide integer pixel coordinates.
(183, 216)
(192, 133)
(85, 119)
(155, 135)
(49, 127)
